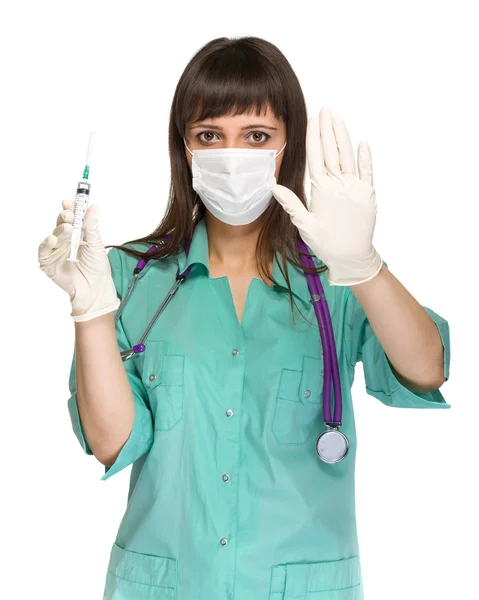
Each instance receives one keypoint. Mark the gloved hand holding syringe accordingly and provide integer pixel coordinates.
(81, 204)
(88, 279)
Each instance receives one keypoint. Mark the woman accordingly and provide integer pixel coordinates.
(220, 414)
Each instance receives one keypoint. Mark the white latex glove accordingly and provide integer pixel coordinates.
(89, 282)
(339, 226)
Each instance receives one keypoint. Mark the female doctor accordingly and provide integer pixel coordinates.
(219, 408)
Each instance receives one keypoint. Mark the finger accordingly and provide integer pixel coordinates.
(365, 162)
(63, 231)
(345, 148)
(328, 141)
(90, 224)
(290, 202)
(68, 204)
(65, 216)
(49, 244)
(314, 151)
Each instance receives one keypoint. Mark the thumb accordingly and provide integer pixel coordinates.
(290, 202)
(365, 163)
(90, 224)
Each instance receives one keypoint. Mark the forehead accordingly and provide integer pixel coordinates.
(266, 117)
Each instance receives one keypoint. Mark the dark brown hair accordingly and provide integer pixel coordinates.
(230, 76)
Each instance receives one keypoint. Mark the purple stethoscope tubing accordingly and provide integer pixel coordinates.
(180, 277)
(327, 443)
(330, 358)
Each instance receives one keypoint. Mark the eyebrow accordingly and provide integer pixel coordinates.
(242, 128)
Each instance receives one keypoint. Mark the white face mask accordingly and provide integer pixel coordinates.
(234, 183)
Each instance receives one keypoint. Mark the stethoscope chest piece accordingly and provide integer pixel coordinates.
(332, 445)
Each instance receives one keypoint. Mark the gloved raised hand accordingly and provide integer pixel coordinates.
(89, 282)
(340, 224)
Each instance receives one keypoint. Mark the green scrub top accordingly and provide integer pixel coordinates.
(228, 499)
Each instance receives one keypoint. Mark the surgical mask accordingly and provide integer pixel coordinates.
(234, 183)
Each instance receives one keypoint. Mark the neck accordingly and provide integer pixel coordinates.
(232, 246)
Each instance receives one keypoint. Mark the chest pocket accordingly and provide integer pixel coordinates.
(163, 376)
(298, 409)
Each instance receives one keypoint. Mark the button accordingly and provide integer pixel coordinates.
(235, 352)
(230, 412)
(226, 477)
(152, 377)
(223, 541)
(307, 393)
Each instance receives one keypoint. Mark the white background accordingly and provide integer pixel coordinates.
(403, 76)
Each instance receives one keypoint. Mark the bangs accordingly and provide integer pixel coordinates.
(234, 81)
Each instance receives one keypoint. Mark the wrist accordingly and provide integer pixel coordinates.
(101, 300)
(350, 272)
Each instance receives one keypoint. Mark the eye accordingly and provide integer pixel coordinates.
(209, 133)
(266, 136)
(198, 136)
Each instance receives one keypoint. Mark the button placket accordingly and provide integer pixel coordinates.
(229, 443)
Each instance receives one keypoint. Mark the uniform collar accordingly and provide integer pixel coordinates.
(199, 253)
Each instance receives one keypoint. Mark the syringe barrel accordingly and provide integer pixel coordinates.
(81, 203)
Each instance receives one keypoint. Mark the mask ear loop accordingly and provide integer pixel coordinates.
(281, 149)
(188, 148)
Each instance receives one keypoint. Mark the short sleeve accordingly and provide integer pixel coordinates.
(361, 344)
(140, 439)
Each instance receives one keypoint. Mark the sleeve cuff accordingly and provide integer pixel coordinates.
(76, 423)
(138, 443)
(382, 383)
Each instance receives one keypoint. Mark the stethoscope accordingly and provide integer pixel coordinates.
(332, 445)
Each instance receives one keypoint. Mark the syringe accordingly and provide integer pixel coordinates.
(81, 204)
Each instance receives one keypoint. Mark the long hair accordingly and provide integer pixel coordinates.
(230, 76)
